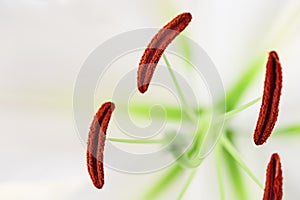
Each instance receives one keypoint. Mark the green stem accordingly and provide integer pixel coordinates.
(187, 184)
(234, 171)
(131, 141)
(235, 94)
(171, 175)
(192, 158)
(190, 113)
(202, 134)
(240, 109)
(195, 148)
(186, 162)
(180, 93)
(234, 153)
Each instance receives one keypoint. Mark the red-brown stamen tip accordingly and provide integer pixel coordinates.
(273, 186)
(270, 103)
(156, 48)
(96, 142)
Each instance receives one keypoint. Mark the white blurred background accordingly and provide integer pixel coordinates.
(43, 45)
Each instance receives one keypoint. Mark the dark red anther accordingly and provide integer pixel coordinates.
(273, 187)
(270, 103)
(156, 48)
(95, 144)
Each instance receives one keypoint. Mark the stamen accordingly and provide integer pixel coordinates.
(95, 144)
